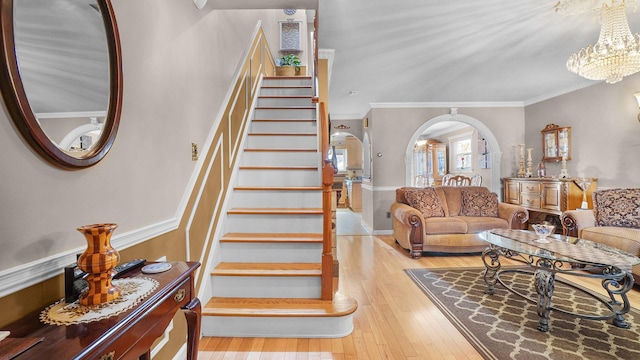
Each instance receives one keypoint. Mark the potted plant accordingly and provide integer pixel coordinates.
(289, 65)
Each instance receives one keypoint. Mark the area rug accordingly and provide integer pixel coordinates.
(503, 325)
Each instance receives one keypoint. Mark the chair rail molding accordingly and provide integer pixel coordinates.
(21, 277)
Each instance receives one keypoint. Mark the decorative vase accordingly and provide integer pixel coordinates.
(98, 261)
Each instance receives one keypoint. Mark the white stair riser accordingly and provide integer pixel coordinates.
(280, 142)
(285, 91)
(266, 286)
(302, 81)
(271, 252)
(276, 199)
(252, 326)
(279, 178)
(262, 158)
(283, 127)
(302, 114)
(280, 101)
(274, 223)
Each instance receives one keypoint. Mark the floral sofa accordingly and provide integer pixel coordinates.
(449, 218)
(614, 221)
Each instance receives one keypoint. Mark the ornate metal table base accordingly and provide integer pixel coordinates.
(615, 281)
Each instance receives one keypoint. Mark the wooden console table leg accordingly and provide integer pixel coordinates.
(193, 313)
(146, 356)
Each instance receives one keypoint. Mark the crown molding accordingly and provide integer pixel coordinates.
(551, 95)
(347, 117)
(479, 104)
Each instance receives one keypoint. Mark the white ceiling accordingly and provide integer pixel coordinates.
(420, 51)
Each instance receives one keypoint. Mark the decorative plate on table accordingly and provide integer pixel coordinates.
(156, 268)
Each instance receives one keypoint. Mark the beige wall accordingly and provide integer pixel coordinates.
(178, 63)
(605, 132)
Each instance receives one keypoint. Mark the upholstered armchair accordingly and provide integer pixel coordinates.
(614, 221)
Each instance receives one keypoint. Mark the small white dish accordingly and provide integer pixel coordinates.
(156, 268)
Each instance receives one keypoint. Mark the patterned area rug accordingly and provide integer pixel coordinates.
(503, 325)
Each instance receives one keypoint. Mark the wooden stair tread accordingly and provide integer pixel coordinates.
(286, 107)
(280, 307)
(296, 77)
(277, 211)
(273, 237)
(286, 87)
(278, 168)
(282, 134)
(279, 188)
(285, 96)
(282, 150)
(284, 120)
(267, 269)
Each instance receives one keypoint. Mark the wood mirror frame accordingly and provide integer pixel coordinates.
(24, 119)
(556, 143)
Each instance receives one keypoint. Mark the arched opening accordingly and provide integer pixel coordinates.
(453, 130)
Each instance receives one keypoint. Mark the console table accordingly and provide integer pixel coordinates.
(125, 336)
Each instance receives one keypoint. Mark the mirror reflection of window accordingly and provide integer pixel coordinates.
(63, 56)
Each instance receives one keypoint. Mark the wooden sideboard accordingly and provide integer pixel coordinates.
(125, 336)
(547, 195)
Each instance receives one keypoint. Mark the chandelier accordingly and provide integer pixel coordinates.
(617, 52)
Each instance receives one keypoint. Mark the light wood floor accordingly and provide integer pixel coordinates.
(394, 320)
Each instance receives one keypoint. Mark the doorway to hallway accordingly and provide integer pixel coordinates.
(349, 223)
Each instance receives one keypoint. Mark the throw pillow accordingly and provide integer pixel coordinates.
(479, 203)
(617, 207)
(426, 201)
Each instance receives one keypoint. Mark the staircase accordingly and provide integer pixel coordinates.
(268, 283)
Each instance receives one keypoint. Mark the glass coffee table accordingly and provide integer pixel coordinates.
(560, 255)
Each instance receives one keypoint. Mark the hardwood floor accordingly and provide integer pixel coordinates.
(394, 320)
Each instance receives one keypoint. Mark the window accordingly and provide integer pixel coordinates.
(341, 158)
(462, 152)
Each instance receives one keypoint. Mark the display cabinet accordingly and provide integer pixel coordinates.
(556, 143)
(430, 162)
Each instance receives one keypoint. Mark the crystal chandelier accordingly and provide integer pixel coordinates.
(617, 52)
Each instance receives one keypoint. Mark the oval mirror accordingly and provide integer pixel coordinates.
(61, 77)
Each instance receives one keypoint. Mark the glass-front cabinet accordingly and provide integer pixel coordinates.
(430, 162)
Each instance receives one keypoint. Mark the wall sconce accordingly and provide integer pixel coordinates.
(637, 95)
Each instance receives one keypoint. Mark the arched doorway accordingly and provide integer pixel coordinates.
(492, 142)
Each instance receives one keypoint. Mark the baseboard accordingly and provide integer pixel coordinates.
(182, 353)
(281, 327)
(383, 232)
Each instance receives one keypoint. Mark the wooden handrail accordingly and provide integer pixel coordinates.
(327, 207)
(314, 76)
(326, 292)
